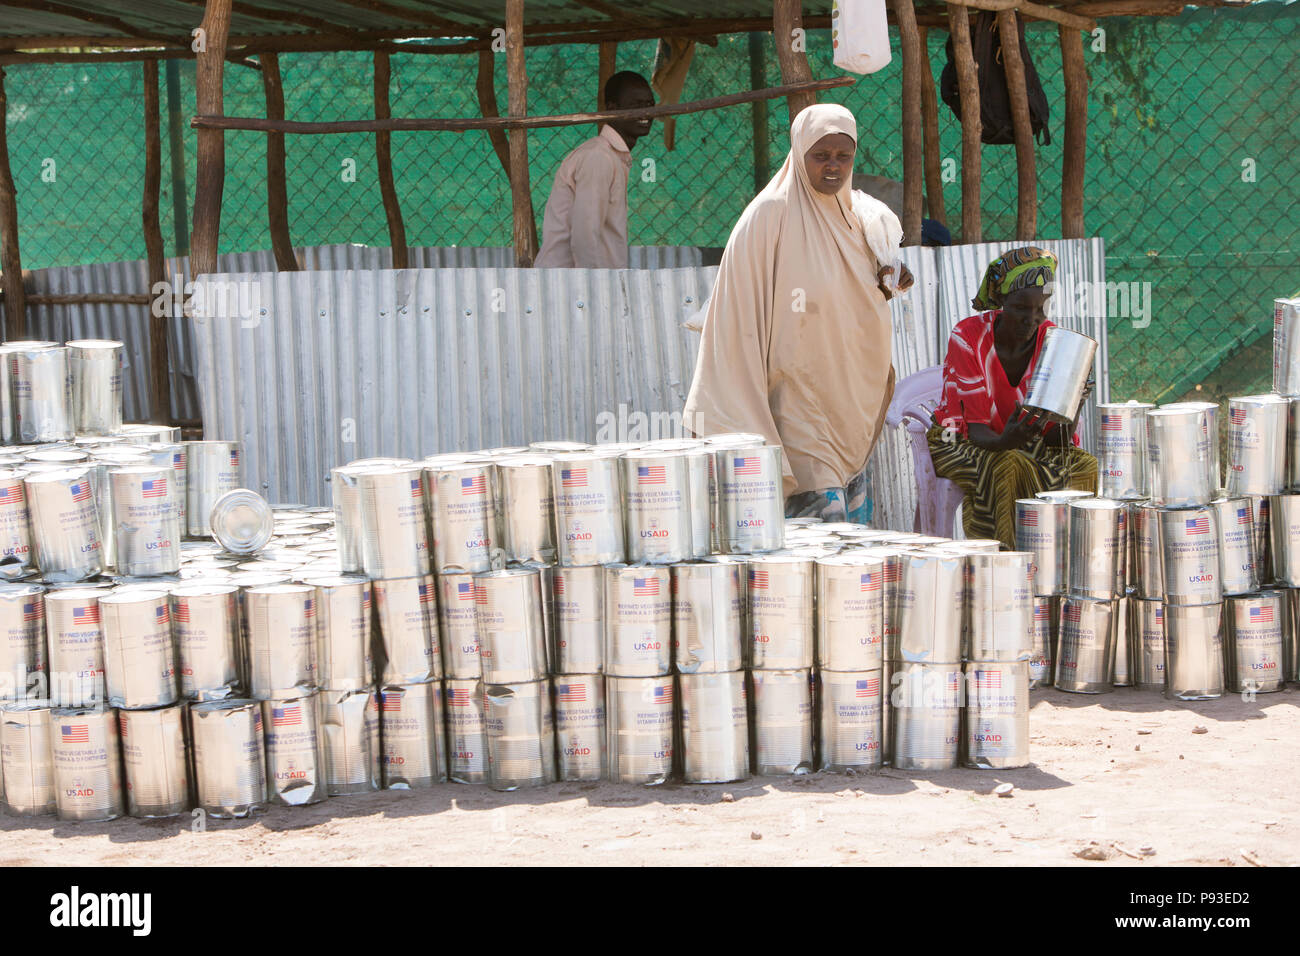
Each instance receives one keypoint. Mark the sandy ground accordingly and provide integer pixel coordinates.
(1114, 776)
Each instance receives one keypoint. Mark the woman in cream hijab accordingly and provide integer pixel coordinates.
(796, 338)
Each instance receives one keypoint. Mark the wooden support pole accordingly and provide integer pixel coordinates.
(1075, 150)
(176, 158)
(10, 261)
(1017, 91)
(517, 105)
(487, 104)
(910, 41)
(211, 175)
(605, 68)
(384, 160)
(277, 190)
(758, 117)
(971, 127)
(930, 115)
(159, 362)
(788, 31)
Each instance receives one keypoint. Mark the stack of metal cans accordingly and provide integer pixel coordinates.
(780, 632)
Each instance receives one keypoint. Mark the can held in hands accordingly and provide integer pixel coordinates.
(580, 726)
(349, 740)
(156, 761)
(639, 728)
(520, 734)
(87, 764)
(139, 653)
(26, 759)
(229, 757)
(410, 721)
(638, 621)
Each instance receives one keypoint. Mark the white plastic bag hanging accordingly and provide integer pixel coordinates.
(860, 35)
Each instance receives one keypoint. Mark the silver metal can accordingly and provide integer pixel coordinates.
(229, 757)
(1046, 620)
(579, 595)
(205, 622)
(295, 765)
(458, 622)
(22, 641)
(783, 721)
(1061, 371)
(1257, 445)
(1182, 460)
(1263, 537)
(467, 751)
(1193, 651)
(156, 761)
(1043, 529)
(95, 367)
(15, 529)
(75, 647)
(410, 719)
(1236, 532)
(512, 635)
(751, 504)
(997, 715)
(1284, 530)
(212, 470)
(87, 764)
(408, 630)
(168, 455)
(349, 740)
(658, 502)
(346, 496)
(520, 734)
(241, 521)
(1286, 346)
(65, 524)
(344, 608)
(999, 606)
(42, 394)
(708, 607)
(638, 621)
(1122, 449)
(1147, 622)
(703, 499)
(1293, 444)
(588, 508)
(394, 533)
(580, 726)
(1147, 571)
(146, 529)
(850, 611)
(26, 759)
(639, 728)
(930, 609)
(1087, 646)
(927, 703)
(850, 707)
(139, 653)
(8, 433)
(462, 510)
(1124, 660)
(715, 727)
(1098, 530)
(281, 641)
(528, 504)
(1189, 540)
(1256, 645)
(780, 596)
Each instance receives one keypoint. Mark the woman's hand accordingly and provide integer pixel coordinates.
(1020, 431)
(905, 280)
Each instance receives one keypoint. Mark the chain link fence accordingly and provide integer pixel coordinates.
(1191, 172)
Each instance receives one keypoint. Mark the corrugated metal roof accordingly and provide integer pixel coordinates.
(344, 365)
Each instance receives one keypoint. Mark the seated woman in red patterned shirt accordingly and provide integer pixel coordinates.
(982, 438)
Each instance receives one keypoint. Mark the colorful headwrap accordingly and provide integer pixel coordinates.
(1014, 269)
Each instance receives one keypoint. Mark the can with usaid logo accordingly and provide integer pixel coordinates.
(467, 753)
(349, 740)
(780, 611)
(1086, 653)
(588, 508)
(639, 728)
(715, 727)
(229, 757)
(410, 729)
(850, 611)
(407, 613)
(139, 652)
(1044, 627)
(22, 640)
(15, 530)
(87, 764)
(580, 726)
(205, 621)
(1147, 622)
(462, 509)
(1256, 645)
(295, 765)
(638, 620)
(657, 497)
(850, 706)
(926, 721)
(997, 715)
(751, 502)
(75, 646)
(579, 619)
(1189, 539)
(458, 626)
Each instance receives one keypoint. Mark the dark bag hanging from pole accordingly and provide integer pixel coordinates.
(995, 103)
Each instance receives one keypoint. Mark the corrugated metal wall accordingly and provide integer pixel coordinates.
(347, 364)
(129, 323)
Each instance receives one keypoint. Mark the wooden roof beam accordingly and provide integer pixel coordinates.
(1035, 10)
(99, 19)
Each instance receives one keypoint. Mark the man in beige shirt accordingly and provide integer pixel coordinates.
(585, 225)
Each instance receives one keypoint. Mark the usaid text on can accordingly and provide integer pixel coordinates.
(76, 909)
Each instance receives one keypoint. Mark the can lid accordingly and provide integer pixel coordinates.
(94, 344)
(203, 590)
(735, 439)
(241, 521)
(133, 594)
